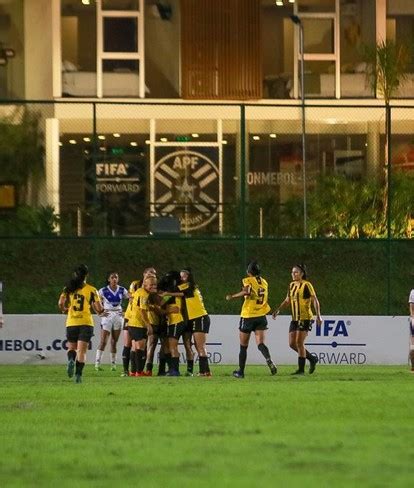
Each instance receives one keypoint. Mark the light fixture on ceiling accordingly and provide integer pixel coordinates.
(272, 136)
(102, 137)
(116, 134)
(164, 139)
(256, 138)
(87, 139)
(133, 144)
(72, 141)
(86, 2)
(195, 135)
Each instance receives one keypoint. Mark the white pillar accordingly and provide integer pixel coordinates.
(52, 164)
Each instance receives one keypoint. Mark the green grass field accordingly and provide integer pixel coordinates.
(343, 426)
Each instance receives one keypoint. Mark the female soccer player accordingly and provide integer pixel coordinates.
(75, 300)
(133, 287)
(253, 316)
(138, 325)
(301, 296)
(198, 320)
(175, 320)
(111, 325)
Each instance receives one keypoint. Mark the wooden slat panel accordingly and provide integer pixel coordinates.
(221, 49)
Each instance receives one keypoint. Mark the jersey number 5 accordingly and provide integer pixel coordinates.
(80, 300)
(261, 295)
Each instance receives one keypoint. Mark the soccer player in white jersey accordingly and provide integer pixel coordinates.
(111, 324)
(411, 302)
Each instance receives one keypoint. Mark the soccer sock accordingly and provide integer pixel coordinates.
(149, 366)
(265, 351)
(71, 355)
(190, 365)
(203, 364)
(133, 362)
(98, 356)
(126, 356)
(140, 360)
(242, 358)
(168, 359)
(175, 363)
(79, 368)
(162, 363)
(113, 357)
(412, 357)
(301, 364)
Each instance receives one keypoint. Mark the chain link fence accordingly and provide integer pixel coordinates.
(125, 185)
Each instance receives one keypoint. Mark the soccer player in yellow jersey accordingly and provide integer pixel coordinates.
(138, 325)
(75, 300)
(253, 316)
(301, 297)
(133, 287)
(198, 319)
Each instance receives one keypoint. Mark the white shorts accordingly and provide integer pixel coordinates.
(114, 321)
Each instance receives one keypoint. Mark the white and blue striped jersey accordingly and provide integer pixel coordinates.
(112, 300)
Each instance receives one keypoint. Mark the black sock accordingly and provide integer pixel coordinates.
(79, 368)
(412, 358)
(149, 366)
(133, 361)
(140, 360)
(242, 358)
(190, 365)
(168, 359)
(71, 355)
(161, 364)
(301, 364)
(202, 364)
(126, 356)
(175, 364)
(265, 351)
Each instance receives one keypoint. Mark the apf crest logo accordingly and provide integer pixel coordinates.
(186, 184)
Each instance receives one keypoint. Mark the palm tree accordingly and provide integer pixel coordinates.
(387, 69)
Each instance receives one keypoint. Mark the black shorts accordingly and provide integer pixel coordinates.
(160, 330)
(301, 325)
(200, 324)
(252, 324)
(138, 333)
(176, 330)
(75, 333)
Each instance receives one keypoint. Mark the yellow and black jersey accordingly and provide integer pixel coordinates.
(138, 315)
(255, 303)
(153, 310)
(173, 307)
(300, 293)
(79, 304)
(133, 287)
(193, 301)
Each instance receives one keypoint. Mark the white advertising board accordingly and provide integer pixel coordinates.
(349, 340)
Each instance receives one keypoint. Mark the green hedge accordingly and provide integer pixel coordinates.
(369, 277)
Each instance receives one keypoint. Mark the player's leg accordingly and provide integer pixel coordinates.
(114, 341)
(260, 335)
(140, 355)
(300, 344)
(126, 352)
(412, 348)
(72, 346)
(189, 354)
(201, 328)
(152, 342)
(105, 333)
(244, 343)
(175, 356)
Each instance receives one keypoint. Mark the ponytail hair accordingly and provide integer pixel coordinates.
(77, 279)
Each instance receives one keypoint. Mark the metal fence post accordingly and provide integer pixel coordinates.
(242, 206)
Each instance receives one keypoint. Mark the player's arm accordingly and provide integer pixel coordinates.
(285, 303)
(245, 291)
(412, 312)
(170, 293)
(62, 303)
(97, 304)
(317, 308)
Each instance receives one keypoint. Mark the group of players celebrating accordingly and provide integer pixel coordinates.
(170, 308)
(159, 310)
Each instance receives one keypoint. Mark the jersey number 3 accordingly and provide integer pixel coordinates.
(80, 300)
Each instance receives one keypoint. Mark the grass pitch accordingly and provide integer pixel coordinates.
(343, 426)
